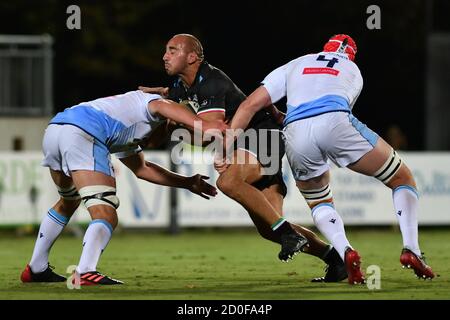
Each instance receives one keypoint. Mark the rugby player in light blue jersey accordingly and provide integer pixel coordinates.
(77, 146)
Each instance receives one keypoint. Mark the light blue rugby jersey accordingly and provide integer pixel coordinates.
(315, 84)
(120, 122)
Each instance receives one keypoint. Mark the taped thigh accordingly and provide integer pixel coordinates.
(389, 168)
(69, 193)
(99, 195)
(317, 195)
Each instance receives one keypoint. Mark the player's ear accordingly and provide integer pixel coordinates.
(192, 57)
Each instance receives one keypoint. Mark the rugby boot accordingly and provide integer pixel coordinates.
(94, 278)
(410, 260)
(335, 270)
(353, 265)
(45, 276)
(291, 244)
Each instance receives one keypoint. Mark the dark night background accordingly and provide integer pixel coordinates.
(121, 43)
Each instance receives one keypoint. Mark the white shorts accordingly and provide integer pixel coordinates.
(68, 148)
(337, 136)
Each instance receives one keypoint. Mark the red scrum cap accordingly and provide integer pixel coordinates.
(341, 43)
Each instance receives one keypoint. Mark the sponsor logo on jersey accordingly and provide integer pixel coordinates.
(329, 71)
(193, 105)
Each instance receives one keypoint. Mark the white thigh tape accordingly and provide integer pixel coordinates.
(99, 195)
(390, 168)
(69, 193)
(317, 195)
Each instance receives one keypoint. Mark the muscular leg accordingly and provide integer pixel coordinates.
(64, 207)
(324, 215)
(319, 198)
(374, 159)
(404, 190)
(316, 247)
(273, 195)
(52, 224)
(104, 220)
(405, 198)
(84, 178)
(236, 182)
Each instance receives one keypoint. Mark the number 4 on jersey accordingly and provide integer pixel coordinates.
(328, 69)
(330, 63)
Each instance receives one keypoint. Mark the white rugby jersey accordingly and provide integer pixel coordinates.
(120, 122)
(315, 84)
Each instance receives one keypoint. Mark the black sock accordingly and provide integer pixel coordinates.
(283, 227)
(332, 257)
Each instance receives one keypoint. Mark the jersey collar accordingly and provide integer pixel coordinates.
(201, 73)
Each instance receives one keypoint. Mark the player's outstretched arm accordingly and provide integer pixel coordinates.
(259, 99)
(154, 173)
(180, 114)
(162, 91)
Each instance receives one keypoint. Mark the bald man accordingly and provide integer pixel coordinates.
(254, 179)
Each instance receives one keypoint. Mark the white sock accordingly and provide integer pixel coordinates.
(330, 224)
(51, 227)
(95, 241)
(406, 203)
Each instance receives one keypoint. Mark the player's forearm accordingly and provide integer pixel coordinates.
(242, 117)
(174, 111)
(154, 173)
(198, 139)
(255, 102)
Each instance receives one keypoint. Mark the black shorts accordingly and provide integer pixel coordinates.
(264, 141)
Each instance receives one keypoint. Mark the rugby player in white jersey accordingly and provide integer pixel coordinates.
(77, 145)
(321, 90)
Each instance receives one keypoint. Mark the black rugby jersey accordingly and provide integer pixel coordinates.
(213, 90)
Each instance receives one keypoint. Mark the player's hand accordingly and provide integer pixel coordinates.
(279, 117)
(162, 91)
(214, 130)
(223, 156)
(220, 165)
(198, 185)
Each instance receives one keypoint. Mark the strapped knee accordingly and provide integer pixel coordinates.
(99, 195)
(69, 193)
(389, 168)
(317, 195)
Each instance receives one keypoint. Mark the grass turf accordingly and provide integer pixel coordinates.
(225, 264)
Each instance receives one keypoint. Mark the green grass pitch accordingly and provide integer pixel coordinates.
(225, 264)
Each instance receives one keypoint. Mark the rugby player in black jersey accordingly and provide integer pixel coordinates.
(211, 94)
